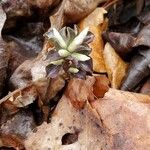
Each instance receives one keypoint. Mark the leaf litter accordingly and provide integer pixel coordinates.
(38, 112)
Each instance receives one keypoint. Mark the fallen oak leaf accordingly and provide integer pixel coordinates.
(95, 22)
(115, 66)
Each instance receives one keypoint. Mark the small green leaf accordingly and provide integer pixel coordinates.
(78, 40)
(59, 38)
(57, 62)
(73, 70)
(63, 53)
(80, 57)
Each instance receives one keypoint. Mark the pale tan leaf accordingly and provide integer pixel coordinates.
(116, 67)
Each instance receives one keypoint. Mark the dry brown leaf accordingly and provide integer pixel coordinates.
(21, 97)
(116, 67)
(79, 91)
(95, 22)
(73, 11)
(84, 87)
(15, 129)
(69, 129)
(43, 3)
(106, 123)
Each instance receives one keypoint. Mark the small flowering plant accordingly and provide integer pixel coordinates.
(70, 52)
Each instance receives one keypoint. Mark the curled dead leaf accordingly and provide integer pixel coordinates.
(22, 97)
(116, 67)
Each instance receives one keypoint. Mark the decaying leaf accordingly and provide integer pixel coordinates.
(105, 123)
(30, 42)
(143, 36)
(95, 22)
(22, 97)
(69, 129)
(15, 57)
(3, 53)
(21, 76)
(85, 89)
(43, 3)
(138, 70)
(15, 129)
(89, 89)
(116, 67)
(72, 12)
(20, 11)
(101, 85)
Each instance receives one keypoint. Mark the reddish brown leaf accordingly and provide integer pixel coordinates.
(100, 86)
(84, 87)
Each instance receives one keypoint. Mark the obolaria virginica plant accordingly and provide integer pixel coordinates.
(70, 52)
